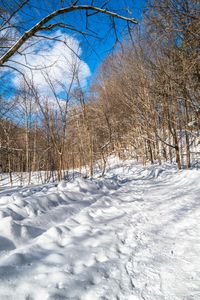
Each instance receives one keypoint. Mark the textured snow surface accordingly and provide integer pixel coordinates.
(134, 235)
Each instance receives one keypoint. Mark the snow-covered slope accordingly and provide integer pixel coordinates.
(133, 235)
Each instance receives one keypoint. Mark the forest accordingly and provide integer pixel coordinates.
(142, 102)
(99, 150)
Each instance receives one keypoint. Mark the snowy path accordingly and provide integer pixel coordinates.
(134, 235)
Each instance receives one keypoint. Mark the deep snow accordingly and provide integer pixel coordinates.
(133, 235)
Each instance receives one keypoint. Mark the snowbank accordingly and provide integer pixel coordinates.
(132, 235)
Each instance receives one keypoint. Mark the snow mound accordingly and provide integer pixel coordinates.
(132, 235)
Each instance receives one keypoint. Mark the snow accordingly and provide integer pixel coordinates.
(132, 235)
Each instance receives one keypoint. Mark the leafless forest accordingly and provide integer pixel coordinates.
(143, 102)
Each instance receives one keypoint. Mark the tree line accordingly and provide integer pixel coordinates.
(143, 103)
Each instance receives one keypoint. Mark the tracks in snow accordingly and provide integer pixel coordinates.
(131, 238)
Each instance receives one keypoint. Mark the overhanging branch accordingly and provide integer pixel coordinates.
(37, 27)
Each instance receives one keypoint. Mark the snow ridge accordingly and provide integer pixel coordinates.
(132, 235)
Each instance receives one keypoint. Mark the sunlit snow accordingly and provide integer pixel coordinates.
(132, 235)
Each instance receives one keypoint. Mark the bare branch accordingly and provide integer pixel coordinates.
(37, 27)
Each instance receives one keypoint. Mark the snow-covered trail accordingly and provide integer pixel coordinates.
(133, 235)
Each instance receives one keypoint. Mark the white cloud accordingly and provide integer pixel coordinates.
(54, 60)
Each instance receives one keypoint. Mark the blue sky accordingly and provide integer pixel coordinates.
(104, 46)
(93, 50)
